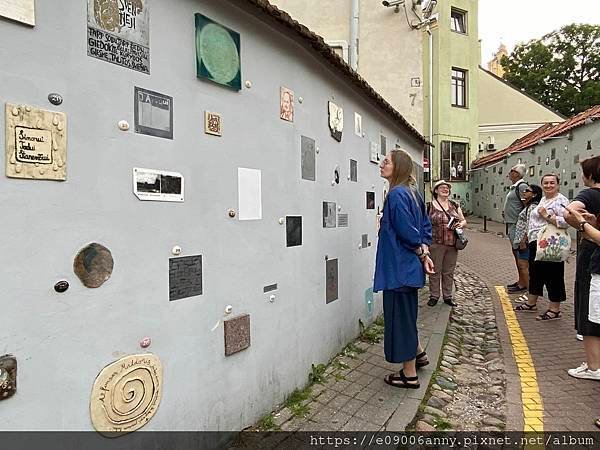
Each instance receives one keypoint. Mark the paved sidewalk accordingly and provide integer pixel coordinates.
(569, 404)
(354, 396)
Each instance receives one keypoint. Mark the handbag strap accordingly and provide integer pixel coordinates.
(448, 215)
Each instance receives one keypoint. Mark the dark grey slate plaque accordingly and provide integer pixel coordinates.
(353, 170)
(307, 158)
(185, 277)
(293, 228)
(329, 214)
(370, 200)
(331, 280)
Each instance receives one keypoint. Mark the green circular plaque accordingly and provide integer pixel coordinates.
(219, 53)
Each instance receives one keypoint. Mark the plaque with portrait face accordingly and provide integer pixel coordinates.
(286, 104)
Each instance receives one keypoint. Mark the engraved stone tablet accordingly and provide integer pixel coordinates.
(8, 376)
(237, 334)
(185, 277)
(93, 265)
(36, 143)
(126, 394)
(19, 10)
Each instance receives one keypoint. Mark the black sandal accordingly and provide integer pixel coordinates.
(526, 307)
(402, 381)
(450, 302)
(420, 364)
(549, 315)
(432, 301)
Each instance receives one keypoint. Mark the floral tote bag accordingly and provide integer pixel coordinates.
(553, 244)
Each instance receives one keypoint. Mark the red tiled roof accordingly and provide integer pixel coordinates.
(545, 131)
(322, 50)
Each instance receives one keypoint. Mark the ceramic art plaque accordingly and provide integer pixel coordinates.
(36, 143)
(286, 104)
(18, 10)
(217, 53)
(118, 32)
(237, 334)
(307, 158)
(126, 394)
(336, 120)
(213, 123)
(93, 265)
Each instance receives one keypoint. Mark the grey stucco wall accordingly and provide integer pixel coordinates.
(62, 341)
(555, 155)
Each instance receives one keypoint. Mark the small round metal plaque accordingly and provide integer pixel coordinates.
(55, 99)
(61, 286)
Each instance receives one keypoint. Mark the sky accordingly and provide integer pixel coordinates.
(514, 21)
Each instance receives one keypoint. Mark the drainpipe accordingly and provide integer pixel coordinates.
(430, 39)
(354, 34)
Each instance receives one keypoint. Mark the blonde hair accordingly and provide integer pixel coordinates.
(403, 169)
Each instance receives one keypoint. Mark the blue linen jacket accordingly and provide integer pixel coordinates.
(403, 228)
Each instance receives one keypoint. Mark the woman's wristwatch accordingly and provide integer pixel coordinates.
(423, 255)
(582, 225)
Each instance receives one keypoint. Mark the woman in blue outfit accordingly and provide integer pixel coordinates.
(402, 260)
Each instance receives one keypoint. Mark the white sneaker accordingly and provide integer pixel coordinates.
(583, 372)
(579, 337)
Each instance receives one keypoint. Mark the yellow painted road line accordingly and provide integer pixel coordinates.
(533, 409)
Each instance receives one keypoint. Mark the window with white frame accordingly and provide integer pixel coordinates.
(453, 161)
(459, 87)
(458, 21)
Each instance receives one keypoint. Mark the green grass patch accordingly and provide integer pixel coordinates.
(317, 374)
(372, 334)
(351, 350)
(267, 423)
(295, 402)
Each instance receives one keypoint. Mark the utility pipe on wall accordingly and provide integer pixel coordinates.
(354, 34)
(430, 39)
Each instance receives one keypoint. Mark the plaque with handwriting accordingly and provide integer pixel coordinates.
(36, 143)
(19, 10)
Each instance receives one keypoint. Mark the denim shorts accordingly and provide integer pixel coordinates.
(523, 254)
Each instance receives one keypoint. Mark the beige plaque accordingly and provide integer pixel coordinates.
(19, 10)
(36, 143)
(126, 394)
(212, 123)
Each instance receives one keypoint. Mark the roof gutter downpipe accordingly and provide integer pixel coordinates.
(430, 106)
(354, 34)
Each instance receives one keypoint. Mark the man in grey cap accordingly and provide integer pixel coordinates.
(513, 205)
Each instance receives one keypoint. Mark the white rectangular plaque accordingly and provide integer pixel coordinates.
(249, 194)
(158, 185)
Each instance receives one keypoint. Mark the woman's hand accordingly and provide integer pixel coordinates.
(428, 265)
(522, 245)
(582, 216)
(543, 213)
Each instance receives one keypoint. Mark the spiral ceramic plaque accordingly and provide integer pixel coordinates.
(126, 394)
(36, 143)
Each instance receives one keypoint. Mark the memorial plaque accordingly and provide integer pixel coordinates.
(286, 104)
(213, 124)
(307, 158)
(336, 121)
(153, 113)
(329, 214)
(36, 143)
(237, 334)
(343, 220)
(364, 241)
(18, 10)
(185, 277)
(358, 124)
(369, 301)
(331, 281)
(93, 265)
(370, 200)
(8, 376)
(126, 394)
(373, 153)
(158, 185)
(293, 227)
(353, 170)
(118, 32)
(217, 53)
(383, 144)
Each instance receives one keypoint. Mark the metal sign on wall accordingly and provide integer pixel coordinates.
(118, 32)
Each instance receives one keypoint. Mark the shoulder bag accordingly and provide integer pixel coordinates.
(461, 240)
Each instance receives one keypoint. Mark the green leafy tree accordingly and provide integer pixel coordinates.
(561, 70)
